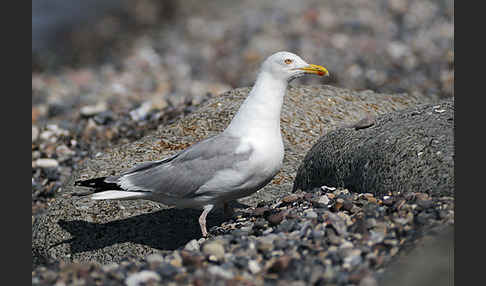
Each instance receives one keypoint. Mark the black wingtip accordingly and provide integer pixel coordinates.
(97, 184)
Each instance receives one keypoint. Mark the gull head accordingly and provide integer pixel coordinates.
(288, 66)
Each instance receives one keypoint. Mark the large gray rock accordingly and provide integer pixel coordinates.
(409, 151)
(77, 230)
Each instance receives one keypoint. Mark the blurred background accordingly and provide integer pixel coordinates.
(106, 72)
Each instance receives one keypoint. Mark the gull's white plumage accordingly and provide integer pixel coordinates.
(234, 164)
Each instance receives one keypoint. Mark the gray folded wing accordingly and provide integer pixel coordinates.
(184, 173)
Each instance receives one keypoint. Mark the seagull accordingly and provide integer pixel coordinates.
(233, 164)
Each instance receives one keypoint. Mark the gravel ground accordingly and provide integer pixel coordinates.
(328, 236)
(168, 65)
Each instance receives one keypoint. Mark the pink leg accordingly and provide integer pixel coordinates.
(202, 219)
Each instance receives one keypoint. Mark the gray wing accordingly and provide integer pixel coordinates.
(185, 172)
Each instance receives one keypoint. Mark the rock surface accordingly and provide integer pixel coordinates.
(407, 151)
(430, 263)
(78, 229)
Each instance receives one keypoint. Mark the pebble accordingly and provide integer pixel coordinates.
(219, 271)
(329, 274)
(333, 237)
(310, 214)
(376, 237)
(154, 258)
(45, 163)
(103, 117)
(91, 110)
(192, 245)
(35, 133)
(352, 260)
(318, 234)
(324, 200)
(64, 152)
(337, 222)
(46, 135)
(265, 244)
(339, 204)
(425, 204)
(214, 248)
(141, 112)
(141, 278)
(260, 211)
(290, 198)
(176, 259)
(421, 196)
(168, 270)
(280, 264)
(254, 266)
(110, 267)
(276, 219)
(240, 262)
(348, 205)
(190, 259)
(397, 50)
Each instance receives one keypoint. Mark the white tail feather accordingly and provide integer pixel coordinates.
(116, 195)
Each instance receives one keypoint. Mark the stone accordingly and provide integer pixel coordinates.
(192, 245)
(213, 248)
(142, 278)
(276, 218)
(76, 229)
(336, 222)
(35, 133)
(110, 267)
(219, 271)
(265, 244)
(142, 111)
(280, 264)
(168, 270)
(176, 259)
(410, 150)
(103, 117)
(425, 204)
(323, 200)
(348, 205)
(310, 214)
(154, 258)
(45, 163)
(353, 259)
(254, 266)
(91, 110)
(64, 153)
(290, 199)
(190, 259)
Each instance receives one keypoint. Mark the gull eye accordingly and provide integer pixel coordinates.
(288, 61)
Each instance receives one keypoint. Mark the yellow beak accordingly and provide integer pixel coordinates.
(315, 69)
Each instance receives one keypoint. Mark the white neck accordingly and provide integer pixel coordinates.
(260, 112)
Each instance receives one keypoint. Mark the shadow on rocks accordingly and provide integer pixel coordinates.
(111, 241)
(164, 230)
